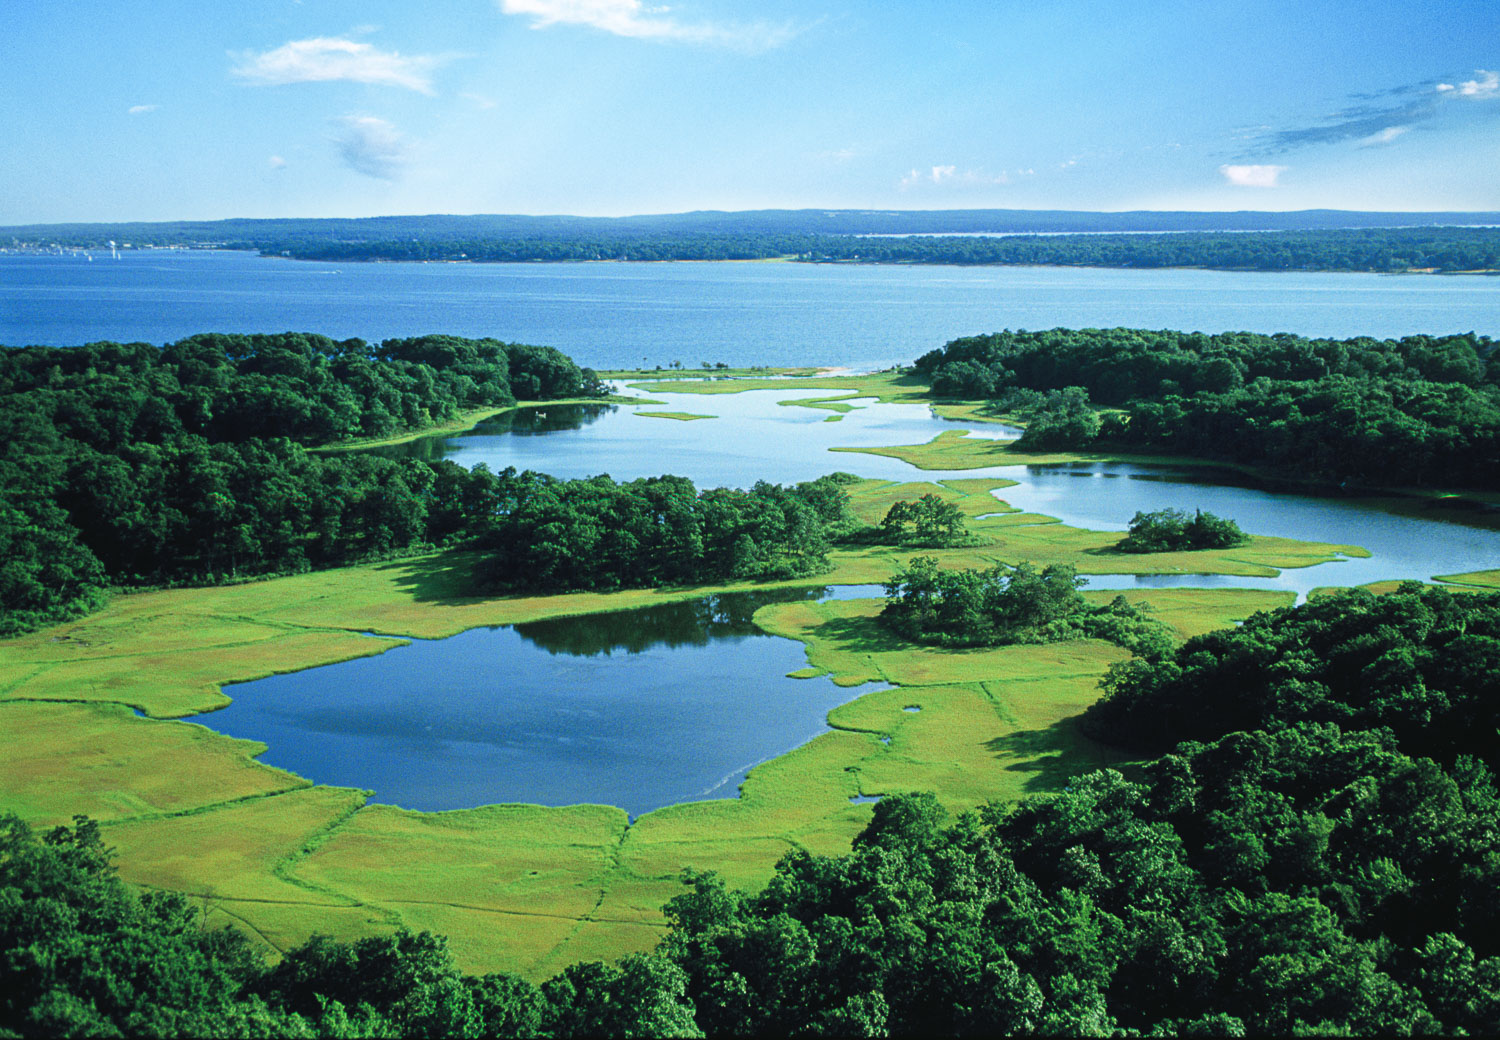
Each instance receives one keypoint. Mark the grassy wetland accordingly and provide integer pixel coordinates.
(95, 712)
(435, 737)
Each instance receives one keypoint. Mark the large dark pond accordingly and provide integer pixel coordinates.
(639, 709)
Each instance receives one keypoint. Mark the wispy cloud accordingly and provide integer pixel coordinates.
(1383, 137)
(953, 177)
(140, 110)
(1256, 175)
(276, 162)
(1381, 117)
(633, 19)
(325, 59)
(372, 146)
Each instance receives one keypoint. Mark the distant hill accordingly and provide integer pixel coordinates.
(1321, 240)
(257, 233)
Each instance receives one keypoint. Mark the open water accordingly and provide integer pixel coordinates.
(617, 315)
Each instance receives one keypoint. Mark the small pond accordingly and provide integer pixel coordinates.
(640, 709)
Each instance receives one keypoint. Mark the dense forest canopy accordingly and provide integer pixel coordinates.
(1421, 410)
(1420, 662)
(128, 463)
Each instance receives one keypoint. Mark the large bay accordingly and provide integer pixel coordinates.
(611, 315)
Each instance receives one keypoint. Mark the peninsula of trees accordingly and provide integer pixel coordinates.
(1421, 411)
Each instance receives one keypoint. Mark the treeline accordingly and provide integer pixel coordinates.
(1303, 882)
(1446, 249)
(134, 465)
(1422, 410)
(128, 464)
(597, 534)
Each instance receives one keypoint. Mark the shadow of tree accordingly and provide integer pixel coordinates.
(1055, 755)
(446, 579)
(863, 635)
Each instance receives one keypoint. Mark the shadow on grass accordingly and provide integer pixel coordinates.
(446, 579)
(1055, 755)
(863, 635)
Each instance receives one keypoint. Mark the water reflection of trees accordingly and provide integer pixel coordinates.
(520, 422)
(696, 622)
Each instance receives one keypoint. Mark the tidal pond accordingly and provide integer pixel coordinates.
(640, 709)
(755, 436)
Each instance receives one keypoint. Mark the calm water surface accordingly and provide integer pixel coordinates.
(639, 709)
(612, 315)
(754, 437)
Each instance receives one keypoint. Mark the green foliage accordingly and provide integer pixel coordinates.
(930, 521)
(1341, 249)
(1170, 530)
(1420, 661)
(1261, 884)
(927, 604)
(1422, 410)
(128, 464)
(597, 534)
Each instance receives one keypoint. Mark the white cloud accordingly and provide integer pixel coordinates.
(1486, 85)
(633, 19)
(952, 176)
(1381, 137)
(140, 110)
(276, 162)
(479, 100)
(1253, 175)
(324, 59)
(373, 147)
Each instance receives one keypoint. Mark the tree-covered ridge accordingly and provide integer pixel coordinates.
(1421, 662)
(124, 464)
(1345, 249)
(959, 608)
(1421, 410)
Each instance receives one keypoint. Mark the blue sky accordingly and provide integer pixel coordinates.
(267, 108)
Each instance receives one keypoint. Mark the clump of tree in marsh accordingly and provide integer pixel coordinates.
(1422, 410)
(1171, 530)
(929, 522)
(964, 608)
